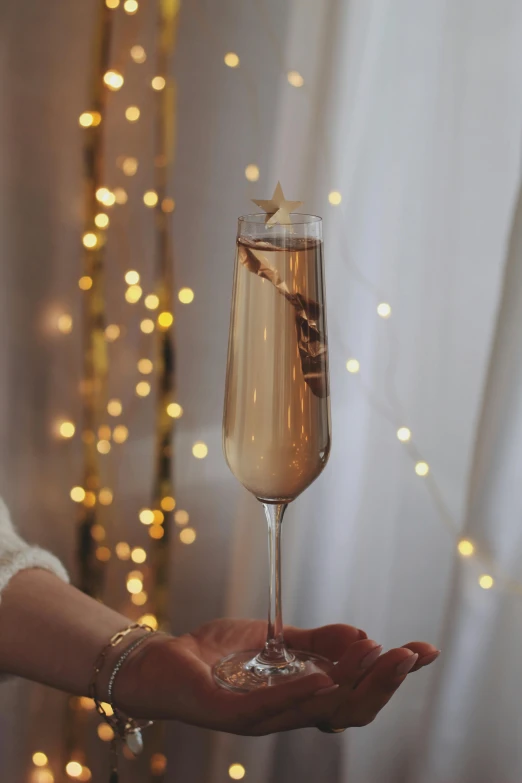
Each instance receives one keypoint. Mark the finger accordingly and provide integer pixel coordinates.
(376, 690)
(427, 654)
(357, 659)
(331, 641)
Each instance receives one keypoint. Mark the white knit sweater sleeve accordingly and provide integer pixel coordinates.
(16, 554)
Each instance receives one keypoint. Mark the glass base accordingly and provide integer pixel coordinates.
(242, 672)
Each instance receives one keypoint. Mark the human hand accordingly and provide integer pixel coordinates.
(171, 678)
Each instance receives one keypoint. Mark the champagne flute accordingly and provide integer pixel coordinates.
(276, 424)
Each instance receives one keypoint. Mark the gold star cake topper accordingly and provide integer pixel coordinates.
(278, 208)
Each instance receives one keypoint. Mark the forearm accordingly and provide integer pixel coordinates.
(51, 632)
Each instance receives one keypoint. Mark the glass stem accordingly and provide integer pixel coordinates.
(275, 652)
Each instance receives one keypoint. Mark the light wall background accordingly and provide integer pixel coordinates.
(413, 111)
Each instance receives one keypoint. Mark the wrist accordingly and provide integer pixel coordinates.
(135, 686)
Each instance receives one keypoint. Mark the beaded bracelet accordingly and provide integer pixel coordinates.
(126, 730)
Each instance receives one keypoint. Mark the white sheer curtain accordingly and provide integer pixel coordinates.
(413, 111)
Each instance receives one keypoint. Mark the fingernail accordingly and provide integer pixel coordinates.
(407, 664)
(430, 658)
(324, 691)
(370, 657)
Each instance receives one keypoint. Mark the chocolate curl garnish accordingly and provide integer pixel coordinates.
(311, 342)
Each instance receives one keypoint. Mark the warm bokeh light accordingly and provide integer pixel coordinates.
(132, 113)
(129, 167)
(90, 119)
(89, 240)
(149, 619)
(103, 446)
(159, 516)
(145, 366)
(186, 295)
(231, 59)
(134, 584)
(158, 83)
(168, 503)
(105, 732)
(132, 277)
(422, 469)
(133, 294)
(352, 365)
(174, 410)
(384, 310)
(104, 432)
(168, 205)
(143, 389)
(295, 78)
(181, 517)
(335, 198)
(98, 533)
(113, 80)
(85, 283)
(114, 407)
(90, 499)
(73, 769)
(252, 172)
(151, 302)
(123, 550)
(139, 599)
(101, 220)
(112, 3)
(147, 326)
(150, 198)
(67, 429)
(165, 320)
(404, 434)
(103, 554)
(120, 433)
(138, 54)
(120, 195)
(105, 496)
(146, 516)
(187, 535)
(77, 494)
(486, 581)
(236, 771)
(105, 196)
(156, 532)
(465, 547)
(112, 332)
(158, 763)
(86, 703)
(130, 7)
(200, 450)
(138, 555)
(40, 759)
(42, 775)
(65, 323)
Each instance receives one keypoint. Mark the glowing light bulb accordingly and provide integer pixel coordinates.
(152, 302)
(129, 167)
(146, 516)
(466, 548)
(112, 332)
(139, 599)
(103, 554)
(174, 410)
(134, 585)
(168, 503)
(143, 389)
(422, 469)
(89, 500)
(404, 434)
(384, 310)
(89, 240)
(335, 198)
(186, 295)
(159, 516)
(102, 194)
(105, 496)
(98, 533)
(77, 494)
(132, 113)
(103, 446)
(486, 582)
(132, 277)
(145, 366)
(120, 434)
(133, 294)
(138, 555)
(123, 550)
(158, 83)
(105, 732)
(40, 759)
(147, 326)
(67, 429)
(113, 80)
(130, 7)
(42, 775)
(112, 3)
(150, 198)
(89, 119)
(165, 320)
(187, 535)
(65, 323)
(101, 220)
(181, 517)
(73, 769)
(120, 195)
(114, 407)
(149, 619)
(295, 78)
(168, 205)
(156, 532)
(231, 59)
(200, 450)
(252, 172)
(353, 366)
(138, 54)
(236, 771)
(85, 283)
